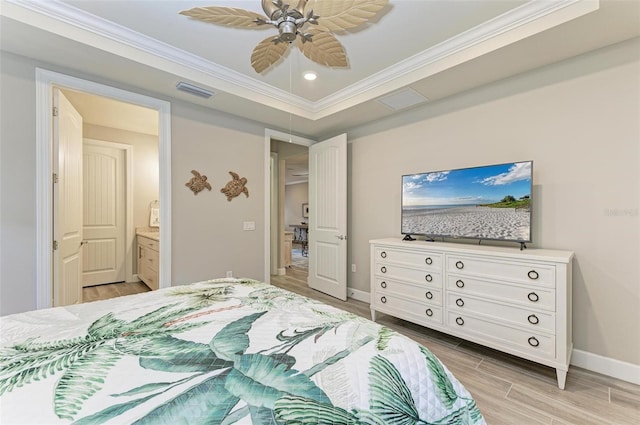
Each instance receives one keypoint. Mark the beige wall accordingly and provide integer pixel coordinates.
(294, 196)
(580, 123)
(208, 239)
(207, 235)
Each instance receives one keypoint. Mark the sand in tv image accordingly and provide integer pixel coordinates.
(490, 202)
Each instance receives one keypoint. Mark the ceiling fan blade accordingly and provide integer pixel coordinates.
(341, 15)
(266, 54)
(324, 49)
(227, 16)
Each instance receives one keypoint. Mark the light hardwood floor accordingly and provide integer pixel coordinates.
(508, 390)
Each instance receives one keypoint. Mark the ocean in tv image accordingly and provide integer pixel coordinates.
(490, 202)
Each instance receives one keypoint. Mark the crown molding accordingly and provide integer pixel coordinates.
(127, 43)
(514, 25)
(521, 22)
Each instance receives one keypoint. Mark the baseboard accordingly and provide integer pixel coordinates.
(358, 295)
(282, 272)
(607, 366)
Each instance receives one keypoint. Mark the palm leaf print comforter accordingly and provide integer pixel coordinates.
(224, 351)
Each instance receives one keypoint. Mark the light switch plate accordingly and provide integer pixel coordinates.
(249, 225)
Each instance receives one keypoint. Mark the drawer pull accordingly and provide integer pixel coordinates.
(429, 312)
(383, 269)
(459, 265)
(428, 260)
(459, 321)
(459, 284)
(533, 341)
(383, 254)
(533, 297)
(533, 275)
(429, 295)
(533, 319)
(428, 278)
(383, 284)
(383, 299)
(460, 302)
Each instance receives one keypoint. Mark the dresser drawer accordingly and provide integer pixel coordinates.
(529, 296)
(534, 320)
(532, 343)
(392, 271)
(424, 260)
(521, 272)
(417, 312)
(148, 243)
(418, 292)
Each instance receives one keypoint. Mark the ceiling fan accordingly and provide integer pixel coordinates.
(311, 23)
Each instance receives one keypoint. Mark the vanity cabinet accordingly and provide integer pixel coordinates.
(148, 261)
(516, 301)
(288, 247)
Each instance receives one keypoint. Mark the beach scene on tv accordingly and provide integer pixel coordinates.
(490, 202)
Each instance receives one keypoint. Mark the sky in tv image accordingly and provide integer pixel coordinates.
(470, 186)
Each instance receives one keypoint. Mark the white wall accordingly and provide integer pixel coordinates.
(579, 121)
(295, 195)
(207, 230)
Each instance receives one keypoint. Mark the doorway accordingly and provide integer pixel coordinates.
(281, 249)
(327, 228)
(45, 82)
(295, 161)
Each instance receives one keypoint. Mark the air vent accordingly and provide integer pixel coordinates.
(194, 90)
(402, 99)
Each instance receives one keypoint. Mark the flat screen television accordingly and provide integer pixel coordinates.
(491, 202)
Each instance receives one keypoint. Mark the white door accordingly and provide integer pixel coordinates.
(103, 215)
(67, 202)
(328, 217)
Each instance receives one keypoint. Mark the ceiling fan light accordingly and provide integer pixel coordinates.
(288, 31)
(310, 75)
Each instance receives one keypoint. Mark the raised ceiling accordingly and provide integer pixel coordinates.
(435, 48)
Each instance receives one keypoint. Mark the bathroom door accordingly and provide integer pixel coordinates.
(103, 213)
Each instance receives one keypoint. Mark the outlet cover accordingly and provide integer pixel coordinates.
(249, 225)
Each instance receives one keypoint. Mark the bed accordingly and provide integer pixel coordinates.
(222, 351)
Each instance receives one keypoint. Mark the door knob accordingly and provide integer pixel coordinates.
(341, 237)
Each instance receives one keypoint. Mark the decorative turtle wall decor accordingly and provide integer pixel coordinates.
(198, 182)
(235, 187)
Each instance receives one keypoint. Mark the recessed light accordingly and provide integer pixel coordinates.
(310, 75)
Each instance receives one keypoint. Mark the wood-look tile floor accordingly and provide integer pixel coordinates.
(508, 390)
(103, 292)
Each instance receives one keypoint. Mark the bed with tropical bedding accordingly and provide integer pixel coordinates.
(223, 351)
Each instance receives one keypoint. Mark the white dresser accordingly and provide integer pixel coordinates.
(514, 301)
